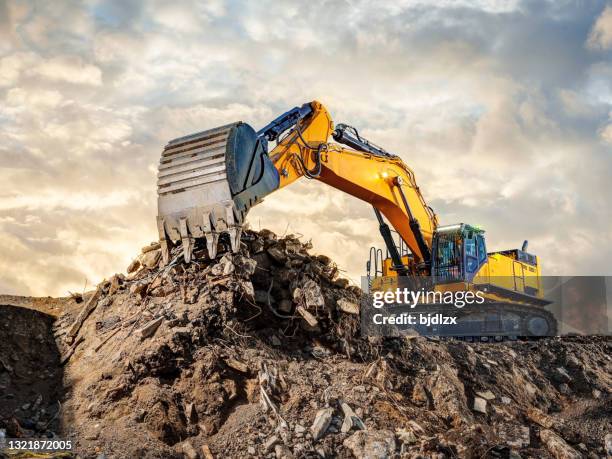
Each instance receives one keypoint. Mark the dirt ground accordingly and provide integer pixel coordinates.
(258, 354)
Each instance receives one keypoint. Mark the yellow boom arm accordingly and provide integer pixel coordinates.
(383, 181)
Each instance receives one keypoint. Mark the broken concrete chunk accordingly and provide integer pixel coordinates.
(341, 282)
(350, 419)
(277, 254)
(487, 395)
(313, 297)
(237, 365)
(480, 405)
(348, 306)
(308, 317)
(206, 453)
(270, 443)
(321, 423)
(134, 265)
(150, 247)
(150, 259)
(539, 417)
(138, 288)
(189, 450)
(377, 444)
(557, 446)
(561, 375)
(224, 266)
(150, 328)
(406, 436)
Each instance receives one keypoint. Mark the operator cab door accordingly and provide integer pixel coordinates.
(459, 252)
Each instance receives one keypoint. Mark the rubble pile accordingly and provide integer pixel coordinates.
(259, 354)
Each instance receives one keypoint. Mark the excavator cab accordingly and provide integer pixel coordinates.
(458, 253)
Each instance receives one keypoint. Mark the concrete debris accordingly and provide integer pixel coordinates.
(487, 395)
(259, 353)
(189, 450)
(206, 453)
(557, 446)
(133, 266)
(150, 247)
(321, 422)
(480, 405)
(308, 317)
(348, 306)
(406, 436)
(536, 415)
(351, 420)
(377, 444)
(608, 444)
(237, 365)
(150, 328)
(150, 259)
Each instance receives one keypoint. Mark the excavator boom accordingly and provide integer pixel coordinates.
(208, 181)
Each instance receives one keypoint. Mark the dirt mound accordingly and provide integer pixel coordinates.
(258, 354)
(30, 374)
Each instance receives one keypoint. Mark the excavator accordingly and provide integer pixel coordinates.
(208, 181)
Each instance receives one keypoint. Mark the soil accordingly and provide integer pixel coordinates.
(253, 355)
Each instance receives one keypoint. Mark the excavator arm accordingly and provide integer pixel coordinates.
(209, 181)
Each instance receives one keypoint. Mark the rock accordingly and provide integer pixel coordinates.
(350, 419)
(487, 395)
(348, 306)
(406, 436)
(150, 328)
(376, 444)
(134, 265)
(608, 444)
(189, 450)
(224, 266)
(251, 450)
(539, 417)
(308, 317)
(283, 452)
(207, 453)
(237, 365)
(515, 436)
(324, 260)
(277, 254)
(313, 297)
(480, 405)
(506, 400)
(321, 423)
(561, 375)
(557, 446)
(341, 282)
(150, 247)
(139, 288)
(270, 443)
(150, 259)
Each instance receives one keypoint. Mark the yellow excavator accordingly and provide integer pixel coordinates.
(208, 181)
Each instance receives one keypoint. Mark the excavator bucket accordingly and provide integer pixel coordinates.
(207, 182)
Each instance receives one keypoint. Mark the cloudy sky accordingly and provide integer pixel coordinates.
(503, 110)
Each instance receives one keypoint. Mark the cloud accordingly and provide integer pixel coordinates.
(601, 33)
(499, 108)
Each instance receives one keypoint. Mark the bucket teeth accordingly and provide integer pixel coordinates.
(195, 198)
(212, 240)
(234, 236)
(186, 240)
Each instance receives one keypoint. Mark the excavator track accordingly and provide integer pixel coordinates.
(486, 322)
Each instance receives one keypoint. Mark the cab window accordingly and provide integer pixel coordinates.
(482, 250)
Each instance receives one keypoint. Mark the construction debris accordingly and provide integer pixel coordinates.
(259, 354)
